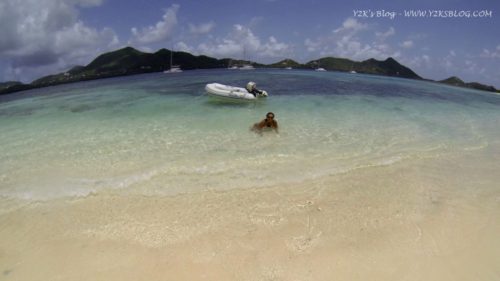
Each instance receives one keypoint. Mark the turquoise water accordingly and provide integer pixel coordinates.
(160, 134)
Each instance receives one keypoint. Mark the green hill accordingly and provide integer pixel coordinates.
(455, 81)
(388, 67)
(128, 61)
(123, 60)
(286, 63)
(8, 84)
(13, 86)
(330, 63)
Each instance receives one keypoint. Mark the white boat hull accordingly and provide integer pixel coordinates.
(173, 69)
(246, 67)
(229, 92)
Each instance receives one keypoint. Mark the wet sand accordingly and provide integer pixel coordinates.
(422, 219)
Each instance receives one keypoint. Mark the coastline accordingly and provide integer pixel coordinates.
(129, 61)
(419, 219)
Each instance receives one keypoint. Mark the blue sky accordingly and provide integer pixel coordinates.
(41, 37)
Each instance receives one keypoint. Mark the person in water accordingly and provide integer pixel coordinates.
(268, 123)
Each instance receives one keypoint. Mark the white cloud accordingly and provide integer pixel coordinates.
(273, 48)
(426, 59)
(421, 61)
(255, 21)
(79, 36)
(312, 45)
(242, 43)
(203, 28)
(407, 44)
(244, 36)
(351, 25)
(88, 3)
(494, 54)
(471, 67)
(382, 36)
(223, 48)
(40, 37)
(161, 31)
(181, 46)
(449, 61)
(451, 64)
(345, 42)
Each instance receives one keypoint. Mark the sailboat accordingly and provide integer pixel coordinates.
(173, 68)
(352, 69)
(230, 66)
(247, 66)
(319, 68)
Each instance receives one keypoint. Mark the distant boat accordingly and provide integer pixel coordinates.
(319, 68)
(173, 68)
(288, 67)
(246, 67)
(352, 69)
(231, 66)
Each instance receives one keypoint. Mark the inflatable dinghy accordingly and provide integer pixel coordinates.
(236, 93)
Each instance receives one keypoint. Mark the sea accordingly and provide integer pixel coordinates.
(159, 134)
(146, 176)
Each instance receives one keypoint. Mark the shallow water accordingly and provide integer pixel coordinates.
(157, 134)
(142, 177)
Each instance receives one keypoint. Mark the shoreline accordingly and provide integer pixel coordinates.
(405, 221)
(28, 87)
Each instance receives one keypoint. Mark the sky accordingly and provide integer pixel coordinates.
(437, 39)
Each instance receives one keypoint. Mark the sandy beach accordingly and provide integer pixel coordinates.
(423, 219)
(249, 140)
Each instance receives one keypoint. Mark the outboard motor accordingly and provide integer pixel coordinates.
(252, 88)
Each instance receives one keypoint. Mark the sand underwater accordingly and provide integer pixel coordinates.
(146, 178)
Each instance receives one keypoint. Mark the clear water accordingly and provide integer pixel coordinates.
(159, 134)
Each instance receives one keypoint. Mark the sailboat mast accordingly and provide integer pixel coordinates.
(171, 51)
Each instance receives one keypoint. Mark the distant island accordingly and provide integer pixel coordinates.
(455, 81)
(129, 61)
